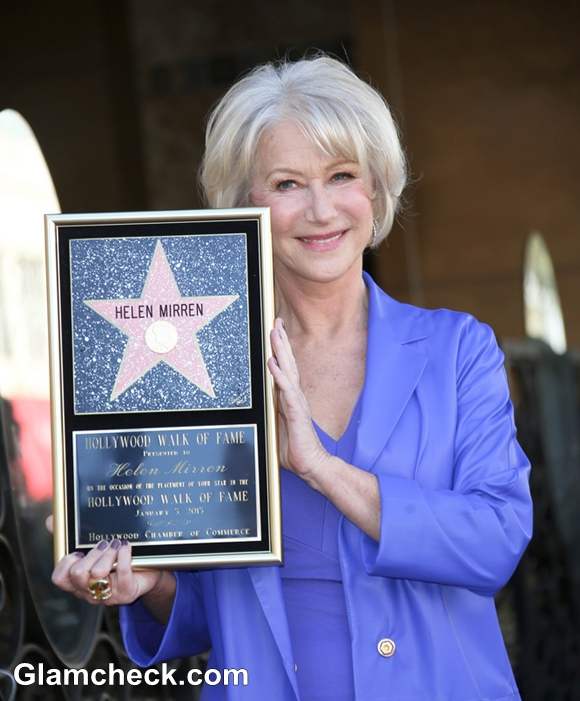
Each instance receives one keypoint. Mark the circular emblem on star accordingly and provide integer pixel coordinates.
(161, 336)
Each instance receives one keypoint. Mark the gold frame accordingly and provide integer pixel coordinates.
(61, 501)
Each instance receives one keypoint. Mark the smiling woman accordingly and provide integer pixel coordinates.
(405, 500)
(318, 203)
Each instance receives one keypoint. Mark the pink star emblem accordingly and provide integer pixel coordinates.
(161, 325)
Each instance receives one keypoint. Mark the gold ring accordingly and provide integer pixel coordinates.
(100, 589)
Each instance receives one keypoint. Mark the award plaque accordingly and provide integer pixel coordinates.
(162, 410)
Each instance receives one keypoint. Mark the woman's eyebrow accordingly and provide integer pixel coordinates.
(283, 169)
(292, 171)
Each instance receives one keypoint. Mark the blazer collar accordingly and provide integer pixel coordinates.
(395, 361)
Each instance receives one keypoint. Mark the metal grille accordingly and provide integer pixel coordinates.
(539, 609)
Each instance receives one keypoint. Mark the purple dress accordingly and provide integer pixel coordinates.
(312, 582)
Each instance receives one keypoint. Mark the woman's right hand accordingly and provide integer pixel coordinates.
(74, 573)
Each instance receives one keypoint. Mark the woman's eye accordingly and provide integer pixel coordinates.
(343, 175)
(285, 184)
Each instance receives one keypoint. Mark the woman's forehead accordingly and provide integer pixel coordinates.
(291, 142)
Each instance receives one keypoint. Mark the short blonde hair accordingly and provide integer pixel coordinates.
(341, 113)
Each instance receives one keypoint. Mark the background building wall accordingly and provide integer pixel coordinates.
(67, 67)
(490, 99)
(486, 93)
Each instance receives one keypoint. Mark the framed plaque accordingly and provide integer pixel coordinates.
(162, 412)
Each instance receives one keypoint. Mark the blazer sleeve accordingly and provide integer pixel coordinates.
(148, 642)
(474, 534)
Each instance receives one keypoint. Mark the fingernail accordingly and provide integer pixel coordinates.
(103, 545)
(116, 544)
(124, 542)
(79, 553)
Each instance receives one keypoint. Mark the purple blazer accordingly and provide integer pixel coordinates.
(437, 430)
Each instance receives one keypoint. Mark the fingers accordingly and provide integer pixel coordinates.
(126, 585)
(49, 523)
(282, 364)
(103, 566)
(112, 560)
(73, 572)
(81, 571)
(283, 351)
(279, 376)
(284, 370)
(61, 573)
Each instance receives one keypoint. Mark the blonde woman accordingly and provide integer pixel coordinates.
(405, 493)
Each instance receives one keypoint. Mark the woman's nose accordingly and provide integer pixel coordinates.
(321, 207)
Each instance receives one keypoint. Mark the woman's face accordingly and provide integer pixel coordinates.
(320, 205)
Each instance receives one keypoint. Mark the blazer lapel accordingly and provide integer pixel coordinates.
(268, 586)
(395, 361)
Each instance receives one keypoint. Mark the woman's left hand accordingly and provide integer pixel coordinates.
(299, 448)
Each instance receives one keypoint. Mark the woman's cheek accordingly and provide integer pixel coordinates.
(286, 215)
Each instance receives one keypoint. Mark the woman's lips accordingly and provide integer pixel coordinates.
(323, 242)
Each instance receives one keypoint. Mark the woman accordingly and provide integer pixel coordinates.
(405, 494)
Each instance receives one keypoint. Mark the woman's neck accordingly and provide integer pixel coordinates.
(321, 310)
